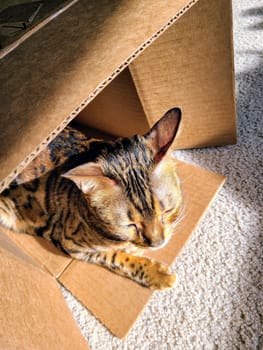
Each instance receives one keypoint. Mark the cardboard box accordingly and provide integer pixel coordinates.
(183, 57)
(101, 65)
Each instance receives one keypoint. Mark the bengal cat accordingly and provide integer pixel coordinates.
(102, 202)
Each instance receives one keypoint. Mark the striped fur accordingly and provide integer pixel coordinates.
(102, 201)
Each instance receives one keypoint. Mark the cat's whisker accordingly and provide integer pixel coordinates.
(181, 216)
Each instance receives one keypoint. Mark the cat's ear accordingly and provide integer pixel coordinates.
(88, 176)
(162, 134)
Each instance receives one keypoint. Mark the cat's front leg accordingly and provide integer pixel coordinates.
(142, 270)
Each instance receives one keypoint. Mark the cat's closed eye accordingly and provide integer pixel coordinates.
(137, 228)
(165, 214)
(134, 227)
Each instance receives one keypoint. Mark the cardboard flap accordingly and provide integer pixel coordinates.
(48, 79)
(28, 16)
(7, 244)
(117, 301)
(191, 66)
(33, 313)
(44, 253)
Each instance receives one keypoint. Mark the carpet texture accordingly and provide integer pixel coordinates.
(218, 301)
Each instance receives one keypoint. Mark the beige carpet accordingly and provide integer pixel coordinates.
(217, 303)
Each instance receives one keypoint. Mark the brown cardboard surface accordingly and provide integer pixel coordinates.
(10, 39)
(10, 246)
(191, 66)
(117, 301)
(114, 300)
(44, 253)
(33, 314)
(117, 110)
(50, 77)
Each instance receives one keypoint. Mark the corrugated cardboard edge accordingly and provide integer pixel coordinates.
(96, 91)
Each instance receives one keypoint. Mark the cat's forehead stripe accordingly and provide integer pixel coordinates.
(130, 162)
(141, 194)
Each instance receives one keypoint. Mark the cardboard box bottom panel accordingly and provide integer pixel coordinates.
(33, 314)
(115, 301)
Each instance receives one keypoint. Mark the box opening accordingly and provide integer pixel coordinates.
(117, 110)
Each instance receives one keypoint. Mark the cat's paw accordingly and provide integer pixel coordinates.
(160, 277)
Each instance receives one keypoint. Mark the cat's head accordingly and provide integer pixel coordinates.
(132, 189)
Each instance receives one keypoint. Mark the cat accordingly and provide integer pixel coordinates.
(102, 202)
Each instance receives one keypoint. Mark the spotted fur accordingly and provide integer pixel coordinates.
(102, 202)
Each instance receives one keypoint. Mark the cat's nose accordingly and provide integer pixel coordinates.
(156, 243)
(156, 235)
